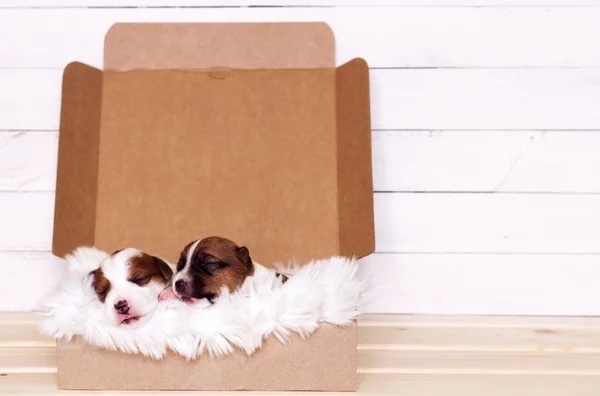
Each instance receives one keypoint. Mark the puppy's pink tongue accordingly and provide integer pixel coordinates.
(129, 318)
(167, 294)
(190, 300)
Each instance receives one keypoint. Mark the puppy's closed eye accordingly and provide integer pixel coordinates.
(210, 265)
(141, 281)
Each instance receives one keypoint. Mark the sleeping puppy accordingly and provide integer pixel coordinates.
(208, 264)
(128, 283)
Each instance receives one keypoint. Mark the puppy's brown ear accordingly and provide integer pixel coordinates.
(164, 268)
(244, 256)
(92, 277)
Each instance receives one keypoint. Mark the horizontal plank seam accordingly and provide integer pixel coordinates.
(122, 7)
(546, 352)
(399, 130)
(391, 252)
(403, 68)
(474, 325)
(385, 192)
(365, 5)
(391, 370)
(463, 322)
(447, 192)
(450, 371)
(479, 192)
(539, 352)
(38, 252)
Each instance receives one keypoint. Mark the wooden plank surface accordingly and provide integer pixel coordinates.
(414, 355)
(417, 283)
(388, 321)
(27, 360)
(469, 96)
(404, 223)
(385, 36)
(400, 99)
(290, 3)
(408, 333)
(485, 362)
(485, 99)
(520, 341)
(37, 272)
(28, 161)
(403, 161)
(487, 223)
(368, 384)
(29, 217)
(486, 161)
(506, 284)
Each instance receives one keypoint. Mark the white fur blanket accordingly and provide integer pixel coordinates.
(320, 291)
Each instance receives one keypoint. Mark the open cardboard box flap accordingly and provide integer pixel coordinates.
(247, 131)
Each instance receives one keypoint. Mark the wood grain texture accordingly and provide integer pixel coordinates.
(385, 36)
(487, 223)
(295, 3)
(485, 99)
(536, 334)
(476, 340)
(372, 384)
(400, 99)
(470, 98)
(404, 223)
(28, 161)
(415, 355)
(486, 161)
(400, 322)
(37, 106)
(466, 362)
(476, 284)
(36, 272)
(470, 284)
(403, 161)
(27, 360)
(27, 221)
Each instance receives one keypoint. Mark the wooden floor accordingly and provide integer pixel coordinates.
(398, 355)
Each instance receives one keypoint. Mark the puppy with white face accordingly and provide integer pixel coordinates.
(206, 265)
(128, 282)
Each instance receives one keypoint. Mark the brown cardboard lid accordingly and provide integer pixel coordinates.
(211, 45)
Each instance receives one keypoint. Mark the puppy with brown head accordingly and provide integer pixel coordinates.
(206, 265)
(128, 283)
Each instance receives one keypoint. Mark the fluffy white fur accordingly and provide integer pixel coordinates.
(320, 291)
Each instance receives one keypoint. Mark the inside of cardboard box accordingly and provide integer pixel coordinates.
(253, 154)
(220, 137)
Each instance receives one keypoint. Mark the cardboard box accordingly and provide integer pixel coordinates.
(242, 130)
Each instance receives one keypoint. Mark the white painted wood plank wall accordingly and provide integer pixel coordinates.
(486, 132)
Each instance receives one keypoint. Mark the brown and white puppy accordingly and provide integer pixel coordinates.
(128, 283)
(206, 265)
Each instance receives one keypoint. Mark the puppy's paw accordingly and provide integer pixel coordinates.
(167, 294)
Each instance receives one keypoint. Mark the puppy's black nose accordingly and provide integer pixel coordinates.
(122, 307)
(180, 286)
